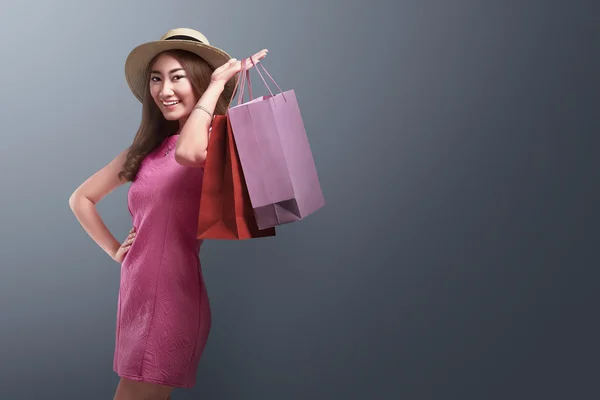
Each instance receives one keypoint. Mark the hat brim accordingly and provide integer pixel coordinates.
(138, 59)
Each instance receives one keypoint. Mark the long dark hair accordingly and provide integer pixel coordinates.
(154, 127)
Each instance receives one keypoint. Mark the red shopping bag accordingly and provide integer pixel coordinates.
(225, 208)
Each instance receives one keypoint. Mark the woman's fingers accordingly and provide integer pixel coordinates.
(260, 55)
(257, 56)
(250, 61)
(233, 66)
(128, 240)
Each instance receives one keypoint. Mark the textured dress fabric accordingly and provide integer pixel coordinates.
(163, 314)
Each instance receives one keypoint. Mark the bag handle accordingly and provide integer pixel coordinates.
(257, 64)
(245, 75)
(240, 84)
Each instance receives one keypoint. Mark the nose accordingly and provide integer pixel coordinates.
(166, 90)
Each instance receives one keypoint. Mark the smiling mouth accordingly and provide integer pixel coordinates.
(170, 103)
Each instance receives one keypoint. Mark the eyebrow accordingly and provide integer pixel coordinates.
(170, 72)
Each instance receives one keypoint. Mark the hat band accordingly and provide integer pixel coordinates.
(184, 37)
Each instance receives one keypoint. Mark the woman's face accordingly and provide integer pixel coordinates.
(171, 88)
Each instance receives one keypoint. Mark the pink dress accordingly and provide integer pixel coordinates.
(163, 314)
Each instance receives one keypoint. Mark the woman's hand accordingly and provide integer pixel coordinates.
(124, 248)
(225, 72)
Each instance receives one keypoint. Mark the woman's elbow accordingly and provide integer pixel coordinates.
(190, 160)
(75, 201)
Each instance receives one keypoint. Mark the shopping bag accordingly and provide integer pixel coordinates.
(225, 208)
(275, 155)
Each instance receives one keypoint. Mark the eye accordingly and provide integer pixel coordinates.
(178, 77)
(155, 79)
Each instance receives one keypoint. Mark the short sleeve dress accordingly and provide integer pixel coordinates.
(163, 314)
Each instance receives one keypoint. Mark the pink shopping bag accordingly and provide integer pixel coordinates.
(275, 155)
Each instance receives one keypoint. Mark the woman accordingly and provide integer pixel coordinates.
(163, 315)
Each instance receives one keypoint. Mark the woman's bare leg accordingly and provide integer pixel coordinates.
(128, 389)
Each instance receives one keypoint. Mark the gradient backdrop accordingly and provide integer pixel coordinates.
(456, 142)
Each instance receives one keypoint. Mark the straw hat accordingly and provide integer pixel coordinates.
(175, 39)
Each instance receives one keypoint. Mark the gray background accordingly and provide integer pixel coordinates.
(456, 144)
